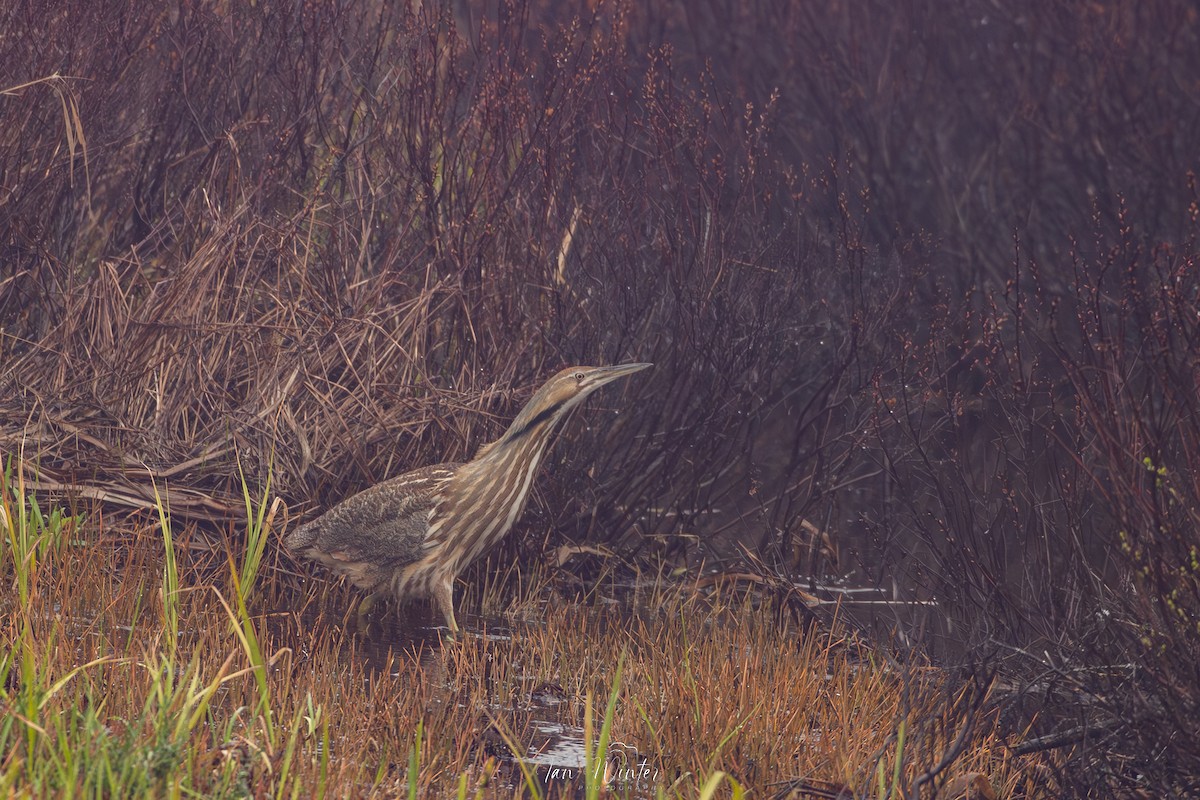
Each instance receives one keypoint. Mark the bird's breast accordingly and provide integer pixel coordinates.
(482, 503)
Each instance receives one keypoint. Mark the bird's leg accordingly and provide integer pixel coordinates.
(443, 595)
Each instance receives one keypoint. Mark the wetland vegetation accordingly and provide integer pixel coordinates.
(128, 671)
(908, 506)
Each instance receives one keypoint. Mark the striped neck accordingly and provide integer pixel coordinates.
(489, 493)
(523, 442)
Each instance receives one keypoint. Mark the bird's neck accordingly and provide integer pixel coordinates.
(518, 442)
(529, 432)
(534, 422)
(501, 474)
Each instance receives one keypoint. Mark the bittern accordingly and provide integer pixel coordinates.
(412, 535)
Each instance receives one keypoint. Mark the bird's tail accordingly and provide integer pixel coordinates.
(302, 537)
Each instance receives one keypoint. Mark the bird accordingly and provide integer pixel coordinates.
(411, 536)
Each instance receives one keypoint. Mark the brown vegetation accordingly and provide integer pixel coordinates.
(341, 709)
(922, 282)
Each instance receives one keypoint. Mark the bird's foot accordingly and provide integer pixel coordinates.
(367, 603)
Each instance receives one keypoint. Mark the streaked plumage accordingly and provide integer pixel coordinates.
(413, 534)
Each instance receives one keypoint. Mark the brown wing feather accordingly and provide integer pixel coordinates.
(370, 535)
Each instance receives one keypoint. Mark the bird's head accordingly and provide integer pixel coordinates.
(569, 387)
(559, 395)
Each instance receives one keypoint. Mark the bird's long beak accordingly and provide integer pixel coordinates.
(599, 376)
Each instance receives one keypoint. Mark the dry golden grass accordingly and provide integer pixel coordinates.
(293, 696)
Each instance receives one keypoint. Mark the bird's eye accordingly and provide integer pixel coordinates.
(579, 377)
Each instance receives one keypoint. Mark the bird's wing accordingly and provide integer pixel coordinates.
(369, 534)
